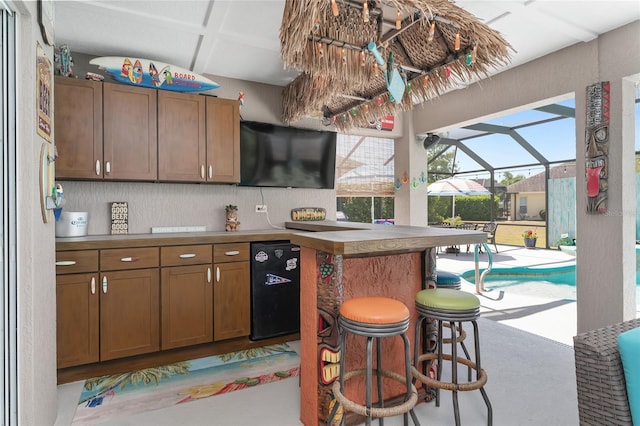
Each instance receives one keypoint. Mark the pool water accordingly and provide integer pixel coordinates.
(557, 283)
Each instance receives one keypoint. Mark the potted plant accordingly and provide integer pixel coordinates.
(530, 237)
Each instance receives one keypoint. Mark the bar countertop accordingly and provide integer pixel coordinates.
(359, 239)
(345, 238)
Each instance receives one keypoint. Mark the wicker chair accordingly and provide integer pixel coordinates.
(602, 393)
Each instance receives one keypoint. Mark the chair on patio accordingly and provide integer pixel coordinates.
(490, 228)
(600, 380)
(468, 226)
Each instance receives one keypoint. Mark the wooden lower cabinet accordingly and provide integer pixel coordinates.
(129, 313)
(78, 316)
(187, 306)
(144, 306)
(231, 300)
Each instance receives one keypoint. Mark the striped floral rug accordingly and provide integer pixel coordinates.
(109, 397)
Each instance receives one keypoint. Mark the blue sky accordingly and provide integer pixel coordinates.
(554, 140)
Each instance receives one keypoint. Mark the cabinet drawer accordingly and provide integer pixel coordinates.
(231, 252)
(185, 255)
(134, 258)
(71, 262)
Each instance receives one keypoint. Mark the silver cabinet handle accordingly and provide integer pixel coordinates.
(129, 259)
(65, 263)
(187, 256)
(104, 285)
(209, 275)
(217, 274)
(97, 167)
(93, 285)
(210, 171)
(201, 171)
(107, 167)
(231, 253)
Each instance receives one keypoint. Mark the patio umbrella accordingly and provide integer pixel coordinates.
(452, 187)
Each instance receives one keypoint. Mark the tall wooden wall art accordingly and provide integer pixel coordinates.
(597, 146)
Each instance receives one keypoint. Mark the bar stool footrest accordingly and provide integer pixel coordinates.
(479, 383)
(459, 338)
(375, 411)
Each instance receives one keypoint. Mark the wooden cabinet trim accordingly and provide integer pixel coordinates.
(231, 252)
(72, 262)
(124, 259)
(186, 255)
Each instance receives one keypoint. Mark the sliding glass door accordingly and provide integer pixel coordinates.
(8, 352)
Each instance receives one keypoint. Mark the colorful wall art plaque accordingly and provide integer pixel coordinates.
(154, 74)
(45, 84)
(597, 146)
(119, 218)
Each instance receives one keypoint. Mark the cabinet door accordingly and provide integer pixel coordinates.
(77, 316)
(187, 306)
(181, 137)
(223, 140)
(78, 128)
(130, 133)
(231, 301)
(129, 313)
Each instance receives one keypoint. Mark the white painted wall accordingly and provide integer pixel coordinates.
(37, 402)
(606, 258)
(154, 204)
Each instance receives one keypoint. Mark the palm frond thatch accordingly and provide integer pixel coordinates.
(340, 76)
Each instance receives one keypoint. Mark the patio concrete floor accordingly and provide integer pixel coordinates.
(549, 317)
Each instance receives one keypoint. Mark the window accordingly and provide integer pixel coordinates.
(365, 178)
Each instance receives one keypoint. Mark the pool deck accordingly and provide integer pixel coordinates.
(550, 317)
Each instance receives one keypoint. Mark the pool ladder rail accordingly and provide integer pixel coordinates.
(480, 277)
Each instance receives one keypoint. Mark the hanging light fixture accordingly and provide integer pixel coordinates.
(365, 11)
(398, 20)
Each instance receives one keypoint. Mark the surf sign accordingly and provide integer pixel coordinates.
(154, 74)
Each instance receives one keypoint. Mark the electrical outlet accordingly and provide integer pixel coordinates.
(261, 208)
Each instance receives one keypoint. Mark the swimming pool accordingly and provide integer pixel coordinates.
(557, 283)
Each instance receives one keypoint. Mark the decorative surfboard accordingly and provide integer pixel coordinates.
(158, 75)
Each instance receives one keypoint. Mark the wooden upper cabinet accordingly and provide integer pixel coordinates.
(181, 137)
(78, 128)
(223, 140)
(130, 133)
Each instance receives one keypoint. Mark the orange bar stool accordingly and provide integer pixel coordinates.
(374, 318)
(448, 305)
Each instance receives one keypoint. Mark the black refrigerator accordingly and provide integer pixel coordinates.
(275, 289)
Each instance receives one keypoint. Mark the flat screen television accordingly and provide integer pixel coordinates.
(286, 157)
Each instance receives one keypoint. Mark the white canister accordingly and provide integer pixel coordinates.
(72, 224)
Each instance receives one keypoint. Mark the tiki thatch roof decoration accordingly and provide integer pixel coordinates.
(436, 44)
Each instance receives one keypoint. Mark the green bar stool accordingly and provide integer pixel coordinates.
(374, 318)
(448, 305)
(450, 280)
